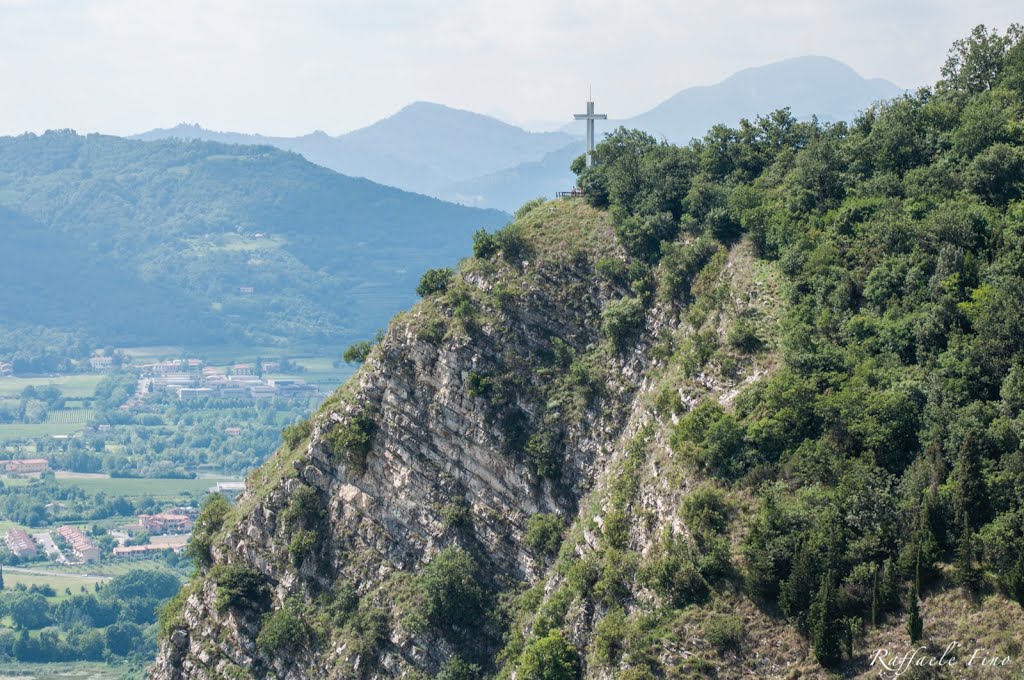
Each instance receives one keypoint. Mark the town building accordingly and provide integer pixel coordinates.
(156, 544)
(166, 523)
(243, 369)
(101, 363)
(189, 393)
(25, 466)
(20, 543)
(228, 489)
(81, 547)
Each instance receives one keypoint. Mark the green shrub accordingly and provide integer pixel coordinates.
(287, 628)
(455, 514)
(713, 438)
(458, 669)
(616, 529)
(294, 434)
(357, 352)
(453, 596)
(642, 235)
(618, 568)
(238, 587)
(434, 281)
(549, 658)
(302, 545)
(679, 265)
(366, 632)
(542, 455)
(743, 335)
(479, 385)
(512, 243)
(210, 520)
(552, 612)
(171, 614)
(304, 508)
(582, 574)
(432, 330)
(672, 573)
(340, 603)
(485, 246)
(668, 402)
(351, 440)
(544, 533)
(705, 509)
(622, 320)
(612, 270)
(610, 637)
(725, 632)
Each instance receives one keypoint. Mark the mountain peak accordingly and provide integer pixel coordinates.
(811, 85)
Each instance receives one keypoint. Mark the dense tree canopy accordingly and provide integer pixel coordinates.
(891, 435)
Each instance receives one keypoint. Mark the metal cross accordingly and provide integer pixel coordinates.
(590, 117)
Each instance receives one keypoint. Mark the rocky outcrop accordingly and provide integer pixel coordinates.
(449, 415)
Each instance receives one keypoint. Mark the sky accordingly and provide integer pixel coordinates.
(290, 67)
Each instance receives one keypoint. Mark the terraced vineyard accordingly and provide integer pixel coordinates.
(70, 416)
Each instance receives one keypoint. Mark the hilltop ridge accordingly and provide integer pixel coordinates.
(752, 407)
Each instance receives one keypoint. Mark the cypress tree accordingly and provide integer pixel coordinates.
(797, 591)
(826, 625)
(966, 574)
(1, 577)
(875, 599)
(969, 505)
(915, 624)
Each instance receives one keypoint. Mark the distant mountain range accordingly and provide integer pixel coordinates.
(423, 148)
(194, 242)
(819, 86)
(477, 160)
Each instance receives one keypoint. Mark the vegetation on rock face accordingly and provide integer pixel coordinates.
(351, 440)
(210, 520)
(826, 320)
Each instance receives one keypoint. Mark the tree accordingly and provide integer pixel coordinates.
(123, 638)
(875, 599)
(827, 630)
(357, 352)
(453, 595)
(544, 533)
(434, 281)
(969, 505)
(285, 628)
(797, 592)
(975, 62)
(549, 658)
(210, 520)
(914, 624)
(621, 320)
(29, 611)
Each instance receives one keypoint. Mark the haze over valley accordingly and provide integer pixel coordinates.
(718, 372)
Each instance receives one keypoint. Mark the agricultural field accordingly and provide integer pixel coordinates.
(80, 670)
(131, 487)
(18, 431)
(60, 583)
(76, 386)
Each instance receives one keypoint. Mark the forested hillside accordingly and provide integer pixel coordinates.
(756, 411)
(131, 242)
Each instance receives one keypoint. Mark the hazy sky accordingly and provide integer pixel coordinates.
(288, 67)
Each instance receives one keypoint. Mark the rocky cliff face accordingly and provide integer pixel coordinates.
(500, 488)
(486, 405)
